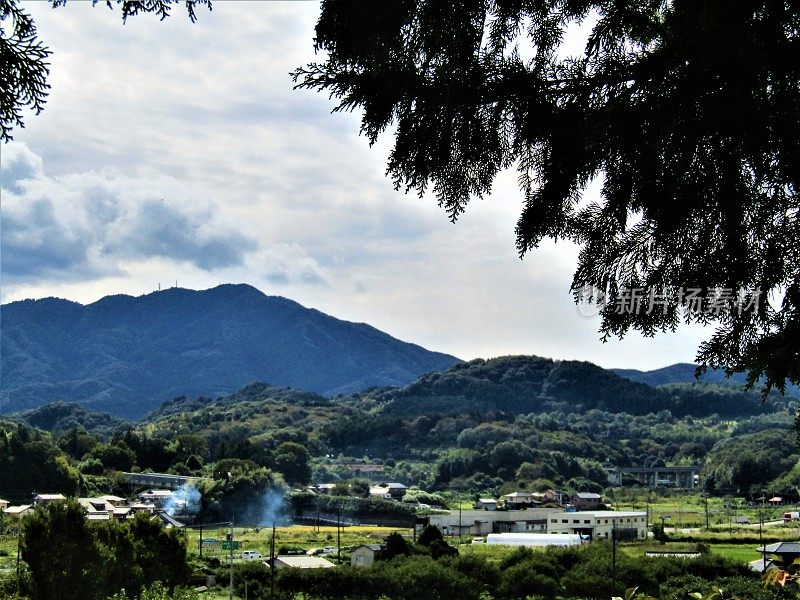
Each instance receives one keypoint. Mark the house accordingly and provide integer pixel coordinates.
(775, 501)
(486, 504)
(779, 554)
(4, 504)
(97, 509)
(518, 500)
(157, 497)
(388, 491)
(17, 512)
(147, 507)
(586, 501)
(301, 561)
(600, 524)
(323, 488)
(548, 497)
(45, 499)
(100, 509)
(365, 555)
(114, 500)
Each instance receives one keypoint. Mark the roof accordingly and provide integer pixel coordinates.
(169, 521)
(50, 497)
(781, 548)
(15, 510)
(395, 486)
(487, 500)
(112, 498)
(300, 561)
(519, 495)
(602, 514)
(588, 496)
(775, 499)
(373, 547)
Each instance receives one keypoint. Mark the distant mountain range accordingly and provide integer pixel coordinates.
(126, 355)
(684, 373)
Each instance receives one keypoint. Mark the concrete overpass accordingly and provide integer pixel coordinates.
(682, 477)
(162, 481)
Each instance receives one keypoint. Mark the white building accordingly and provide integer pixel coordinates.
(483, 522)
(599, 524)
(533, 539)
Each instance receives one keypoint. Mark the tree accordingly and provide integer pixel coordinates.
(294, 462)
(23, 58)
(686, 112)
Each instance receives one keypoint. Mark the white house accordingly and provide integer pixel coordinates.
(364, 555)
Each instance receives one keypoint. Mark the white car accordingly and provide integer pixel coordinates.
(250, 554)
(328, 550)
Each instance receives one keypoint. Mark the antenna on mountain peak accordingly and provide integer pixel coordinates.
(159, 286)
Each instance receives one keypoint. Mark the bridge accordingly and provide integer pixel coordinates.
(682, 477)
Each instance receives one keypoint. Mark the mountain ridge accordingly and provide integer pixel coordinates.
(125, 354)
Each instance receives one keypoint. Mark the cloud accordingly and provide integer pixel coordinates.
(84, 225)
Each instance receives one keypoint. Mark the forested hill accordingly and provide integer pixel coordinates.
(530, 384)
(126, 355)
(684, 373)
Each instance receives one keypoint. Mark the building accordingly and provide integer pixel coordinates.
(483, 522)
(548, 497)
(323, 488)
(365, 555)
(533, 539)
(4, 504)
(599, 524)
(779, 554)
(45, 499)
(519, 500)
(388, 491)
(486, 504)
(17, 512)
(586, 501)
(114, 500)
(157, 497)
(100, 509)
(301, 561)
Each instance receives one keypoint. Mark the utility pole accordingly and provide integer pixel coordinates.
(230, 568)
(272, 563)
(761, 533)
(614, 552)
(705, 502)
(339, 533)
(19, 531)
(201, 539)
(458, 501)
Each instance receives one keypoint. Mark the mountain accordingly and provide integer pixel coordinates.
(59, 417)
(126, 355)
(532, 384)
(684, 373)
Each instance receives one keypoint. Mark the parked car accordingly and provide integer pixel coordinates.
(250, 554)
(329, 550)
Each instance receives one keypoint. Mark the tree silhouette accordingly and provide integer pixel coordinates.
(688, 113)
(23, 58)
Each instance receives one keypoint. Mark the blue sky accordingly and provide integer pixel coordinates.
(176, 151)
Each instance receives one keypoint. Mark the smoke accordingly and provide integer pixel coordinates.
(272, 507)
(185, 500)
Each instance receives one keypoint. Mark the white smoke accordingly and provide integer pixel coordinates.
(185, 500)
(272, 507)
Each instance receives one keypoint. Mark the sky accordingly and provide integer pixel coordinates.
(171, 152)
